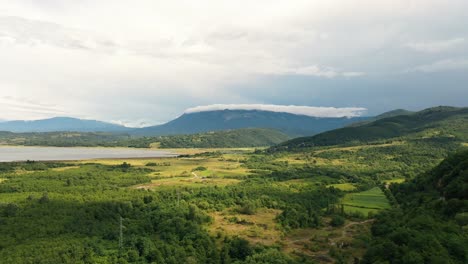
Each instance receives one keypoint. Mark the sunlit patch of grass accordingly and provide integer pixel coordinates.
(343, 186)
(356, 148)
(187, 182)
(465, 144)
(226, 165)
(65, 168)
(400, 180)
(258, 228)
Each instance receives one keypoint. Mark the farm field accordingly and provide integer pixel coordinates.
(365, 202)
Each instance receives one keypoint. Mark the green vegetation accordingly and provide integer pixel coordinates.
(72, 215)
(367, 201)
(427, 226)
(248, 137)
(364, 202)
(343, 186)
(439, 124)
(238, 138)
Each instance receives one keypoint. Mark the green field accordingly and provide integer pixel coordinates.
(364, 202)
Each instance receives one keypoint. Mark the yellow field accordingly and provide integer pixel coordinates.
(172, 167)
(219, 171)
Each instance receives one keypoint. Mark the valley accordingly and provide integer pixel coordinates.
(319, 204)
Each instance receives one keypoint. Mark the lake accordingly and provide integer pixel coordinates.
(8, 154)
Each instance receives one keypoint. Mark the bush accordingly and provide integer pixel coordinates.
(337, 220)
(200, 168)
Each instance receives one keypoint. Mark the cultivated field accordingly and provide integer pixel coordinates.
(365, 202)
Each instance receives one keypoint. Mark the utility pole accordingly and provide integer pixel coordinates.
(121, 233)
(178, 197)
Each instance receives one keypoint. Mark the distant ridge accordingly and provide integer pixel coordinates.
(58, 124)
(396, 112)
(291, 124)
(443, 121)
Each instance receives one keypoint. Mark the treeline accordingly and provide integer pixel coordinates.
(249, 137)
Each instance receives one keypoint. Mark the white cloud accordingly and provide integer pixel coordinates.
(292, 109)
(443, 65)
(315, 70)
(436, 46)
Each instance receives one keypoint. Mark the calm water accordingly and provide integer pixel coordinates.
(54, 153)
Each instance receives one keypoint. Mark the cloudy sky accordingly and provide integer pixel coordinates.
(146, 62)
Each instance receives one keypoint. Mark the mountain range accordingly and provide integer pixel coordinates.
(190, 123)
(290, 124)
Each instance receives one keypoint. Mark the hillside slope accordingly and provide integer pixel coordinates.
(246, 137)
(430, 224)
(60, 124)
(446, 122)
(291, 124)
(393, 113)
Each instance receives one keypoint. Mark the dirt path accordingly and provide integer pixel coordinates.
(346, 227)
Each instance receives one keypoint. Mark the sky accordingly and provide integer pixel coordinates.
(146, 62)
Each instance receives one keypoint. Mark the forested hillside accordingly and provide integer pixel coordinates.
(444, 123)
(248, 137)
(430, 221)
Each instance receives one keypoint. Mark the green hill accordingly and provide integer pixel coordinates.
(438, 122)
(430, 222)
(247, 137)
(396, 112)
